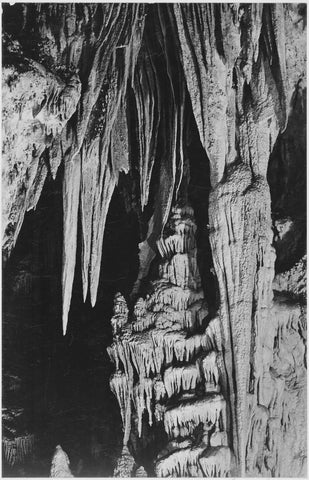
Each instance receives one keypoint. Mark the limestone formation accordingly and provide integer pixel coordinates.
(194, 115)
(60, 466)
(179, 399)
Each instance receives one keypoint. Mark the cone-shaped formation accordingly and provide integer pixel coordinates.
(125, 464)
(60, 466)
(168, 363)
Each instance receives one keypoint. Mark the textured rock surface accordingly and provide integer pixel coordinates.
(107, 97)
(168, 327)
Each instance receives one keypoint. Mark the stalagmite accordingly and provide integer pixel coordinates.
(60, 466)
(164, 329)
(125, 464)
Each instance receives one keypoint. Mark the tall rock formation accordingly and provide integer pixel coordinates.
(169, 362)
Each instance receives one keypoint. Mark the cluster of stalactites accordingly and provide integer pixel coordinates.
(205, 369)
(83, 60)
(222, 50)
(185, 417)
(147, 352)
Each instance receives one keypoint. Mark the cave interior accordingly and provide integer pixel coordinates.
(56, 387)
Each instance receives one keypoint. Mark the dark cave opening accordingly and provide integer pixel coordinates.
(62, 383)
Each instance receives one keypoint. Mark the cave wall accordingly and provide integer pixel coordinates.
(169, 106)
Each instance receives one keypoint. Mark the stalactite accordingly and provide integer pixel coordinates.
(147, 96)
(71, 186)
(210, 369)
(101, 202)
(120, 145)
(119, 384)
(90, 165)
(207, 76)
(113, 63)
(171, 108)
(16, 451)
(143, 392)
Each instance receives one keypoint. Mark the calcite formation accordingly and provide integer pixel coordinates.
(60, 465)
(170, 370)
(109, 97)
(98, 44)
(184, 399)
